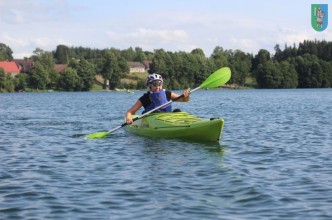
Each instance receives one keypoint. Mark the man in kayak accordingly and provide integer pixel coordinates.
(155, 97)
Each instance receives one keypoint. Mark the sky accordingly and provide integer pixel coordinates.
(172, 25)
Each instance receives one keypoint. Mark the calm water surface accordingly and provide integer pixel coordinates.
(274, 161)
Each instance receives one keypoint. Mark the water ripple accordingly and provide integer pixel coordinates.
(273, 162)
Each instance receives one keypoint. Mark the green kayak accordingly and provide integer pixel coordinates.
(177, 125)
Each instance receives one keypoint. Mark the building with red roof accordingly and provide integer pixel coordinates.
(24, 65)
(10, 67)
(60, 68)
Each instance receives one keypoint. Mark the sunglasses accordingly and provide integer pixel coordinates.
(156, 83)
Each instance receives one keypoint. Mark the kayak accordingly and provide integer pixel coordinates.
(177, 125)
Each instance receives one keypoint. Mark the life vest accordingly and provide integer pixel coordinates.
(157, 99)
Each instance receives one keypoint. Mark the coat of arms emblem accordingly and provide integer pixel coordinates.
(319, 16)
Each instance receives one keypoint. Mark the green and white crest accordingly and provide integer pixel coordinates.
(319, 16)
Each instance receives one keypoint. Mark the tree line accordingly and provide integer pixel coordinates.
(308, 65)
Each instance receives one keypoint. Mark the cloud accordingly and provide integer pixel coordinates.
(33, 12)
(295, 36)
(47, 42)
(143, 34)
(13, 17)
(245, 44)
(149, 39)
(165, 36)
(15, 41)
(30, 44)
(177, 27)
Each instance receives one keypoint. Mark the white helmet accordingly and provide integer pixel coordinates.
(153, 77)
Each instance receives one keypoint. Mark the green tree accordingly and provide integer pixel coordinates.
(310, 73)
(141, 84)
(198, 51)
(62, 54)
(159, 62)
(326, 73)
(2, 79)
(149, 55)
(22, 81)
(114, 67)
(200, 71)
(140, 55)
(240, 64)
(219, 57)
(7, 82)
(128, 54)
(39, 77)
(278, 56)
(269, 75)
(69, 80)
(53, 78)
(186, 71)
(262, 57)
(46, 60)
(10, 83)
(6, 53)
(123, 70)
(290, 78)
(316, 75)
(87, 72)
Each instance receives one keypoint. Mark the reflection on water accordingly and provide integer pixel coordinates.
(272, 163)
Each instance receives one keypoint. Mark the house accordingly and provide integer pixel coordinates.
(136, 67)
(10, 67)
(24, 65)
(147, 64)
(60, 68)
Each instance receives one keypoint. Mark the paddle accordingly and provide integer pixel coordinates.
(218, 78)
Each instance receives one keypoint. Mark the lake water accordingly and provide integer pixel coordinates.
(274, 160)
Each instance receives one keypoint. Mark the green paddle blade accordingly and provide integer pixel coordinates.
(97, 135)
(218, 78)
